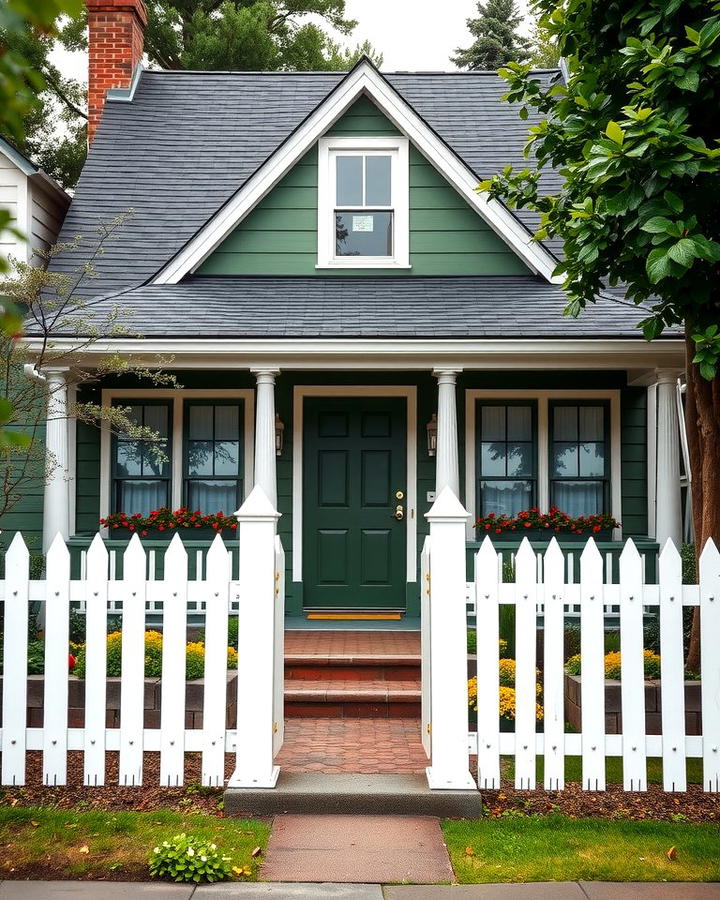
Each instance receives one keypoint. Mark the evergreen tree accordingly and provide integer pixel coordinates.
(496, 39)
(544, 53)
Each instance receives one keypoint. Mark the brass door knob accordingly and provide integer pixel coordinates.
(399, 512)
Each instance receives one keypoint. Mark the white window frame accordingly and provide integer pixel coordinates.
(177, 398)
(328, 150)
(543, 399)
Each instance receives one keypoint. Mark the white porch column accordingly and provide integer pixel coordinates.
(265, 457)
(668, 506)
(56, 509)
(447, 471)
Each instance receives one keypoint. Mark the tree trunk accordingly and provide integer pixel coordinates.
(702, 413)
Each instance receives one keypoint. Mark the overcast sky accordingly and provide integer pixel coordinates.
(412, 35)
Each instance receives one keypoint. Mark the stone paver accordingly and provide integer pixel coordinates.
(92, 890)
(286, 891)
(599, 890)
(361, 849)
(364, 746)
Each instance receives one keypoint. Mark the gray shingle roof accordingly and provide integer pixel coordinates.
(189, 140)
(329, 307)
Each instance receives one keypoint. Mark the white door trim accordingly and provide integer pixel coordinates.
(409, 392)
(177, 396)
(542, 397)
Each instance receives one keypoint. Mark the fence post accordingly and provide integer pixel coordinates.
(450, 769)
(257, 522)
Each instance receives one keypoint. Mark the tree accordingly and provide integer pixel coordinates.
(544, 49)
(496, 39)
(635, 133)
(236, 35)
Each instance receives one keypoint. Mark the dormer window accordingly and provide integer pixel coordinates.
(363, 203)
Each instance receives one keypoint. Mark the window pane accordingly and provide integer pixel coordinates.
(592, 423)
(592, 460)
(578, 498)
(156, 418)
(377, 181)
(363, 233)
(227, 423)
(507, 497)
(151, 464)
(226, 457)
(200, 422)
(349, 180)
(128, 458)
(493, 423)
(200, 458)
(142, 496)
(519, 459)
(565, 461)
(519, 423)
(213, 496)
(492, 459)
(565, 423)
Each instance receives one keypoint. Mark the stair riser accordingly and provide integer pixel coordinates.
(351, 710)
(354, 672)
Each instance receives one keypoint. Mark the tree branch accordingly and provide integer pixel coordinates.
(61, 95)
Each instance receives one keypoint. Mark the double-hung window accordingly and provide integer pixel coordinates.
(506, 458)
(363, 203)
(213, 457)
(579, 468)
(141, 468)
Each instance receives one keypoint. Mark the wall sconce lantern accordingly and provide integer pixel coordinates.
(432, 435)
(279, 435)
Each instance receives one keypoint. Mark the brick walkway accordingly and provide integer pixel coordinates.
(352, 643)
(364, 746)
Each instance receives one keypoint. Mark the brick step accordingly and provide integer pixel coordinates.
(353, 698)
(351, 669)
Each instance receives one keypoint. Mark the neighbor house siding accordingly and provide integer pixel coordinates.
(26, 511)
(47, 212)
(13, 191)
(279, 237)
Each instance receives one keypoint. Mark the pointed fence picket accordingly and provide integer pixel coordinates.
(57, 638)
(633, 670)
(592, 651)
(672, 665)
(709, 634)
(96, 599)
(132, 678)
(15, 648)
(172, 709)
(553, 670)
(525, 659)
(216, 642)
(488, 578)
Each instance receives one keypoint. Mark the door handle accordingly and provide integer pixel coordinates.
(399, 513)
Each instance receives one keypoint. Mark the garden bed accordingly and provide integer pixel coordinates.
(613, 706)
(194, 692)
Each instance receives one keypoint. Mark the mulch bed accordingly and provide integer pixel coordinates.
(614, 803)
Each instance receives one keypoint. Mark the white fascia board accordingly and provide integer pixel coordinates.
(385, 354)
(363, 80)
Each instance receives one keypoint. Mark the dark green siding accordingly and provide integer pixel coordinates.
(279, 237)
(634, 461)
(25, 511)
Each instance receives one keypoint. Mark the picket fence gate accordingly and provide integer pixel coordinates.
(258, 596)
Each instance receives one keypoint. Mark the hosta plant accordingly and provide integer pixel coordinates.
(188, 858)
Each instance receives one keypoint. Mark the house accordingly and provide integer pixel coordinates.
(36, 202)
(353, 325)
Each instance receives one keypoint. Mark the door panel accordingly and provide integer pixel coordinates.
(354, 463)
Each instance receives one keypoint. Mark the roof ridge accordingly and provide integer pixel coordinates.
(275, 74)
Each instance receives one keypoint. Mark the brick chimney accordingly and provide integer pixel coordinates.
(115, 48)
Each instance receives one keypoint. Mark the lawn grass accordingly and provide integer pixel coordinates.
(613, 769)
(40, 842)
(557, 848)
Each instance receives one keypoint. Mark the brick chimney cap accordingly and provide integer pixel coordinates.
(132, 6)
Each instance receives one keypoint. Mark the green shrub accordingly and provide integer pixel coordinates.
(472, 641)
(187, 858)
(689, 564)
(194, 657)
(613, 665)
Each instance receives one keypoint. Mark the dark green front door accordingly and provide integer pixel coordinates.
(354, 468)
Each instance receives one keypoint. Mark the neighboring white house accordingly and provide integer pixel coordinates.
(37, 204)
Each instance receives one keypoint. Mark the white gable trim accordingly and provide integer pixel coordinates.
(364, 79)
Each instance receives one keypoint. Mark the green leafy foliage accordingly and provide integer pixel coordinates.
(188, 858)
(634, 133)
(496, 40)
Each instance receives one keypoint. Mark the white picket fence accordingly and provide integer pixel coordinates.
(259, 598)
(553, 597)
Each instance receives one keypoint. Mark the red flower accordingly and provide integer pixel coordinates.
(131, 527)
(144, 533)
(234, 525)
(72, 662)
(498, 531)
(161, 528)
(528, 524)
(171, 524)
(487, 528)
(597, 528)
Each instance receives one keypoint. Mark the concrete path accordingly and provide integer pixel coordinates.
(359, 849)
(92, 890)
